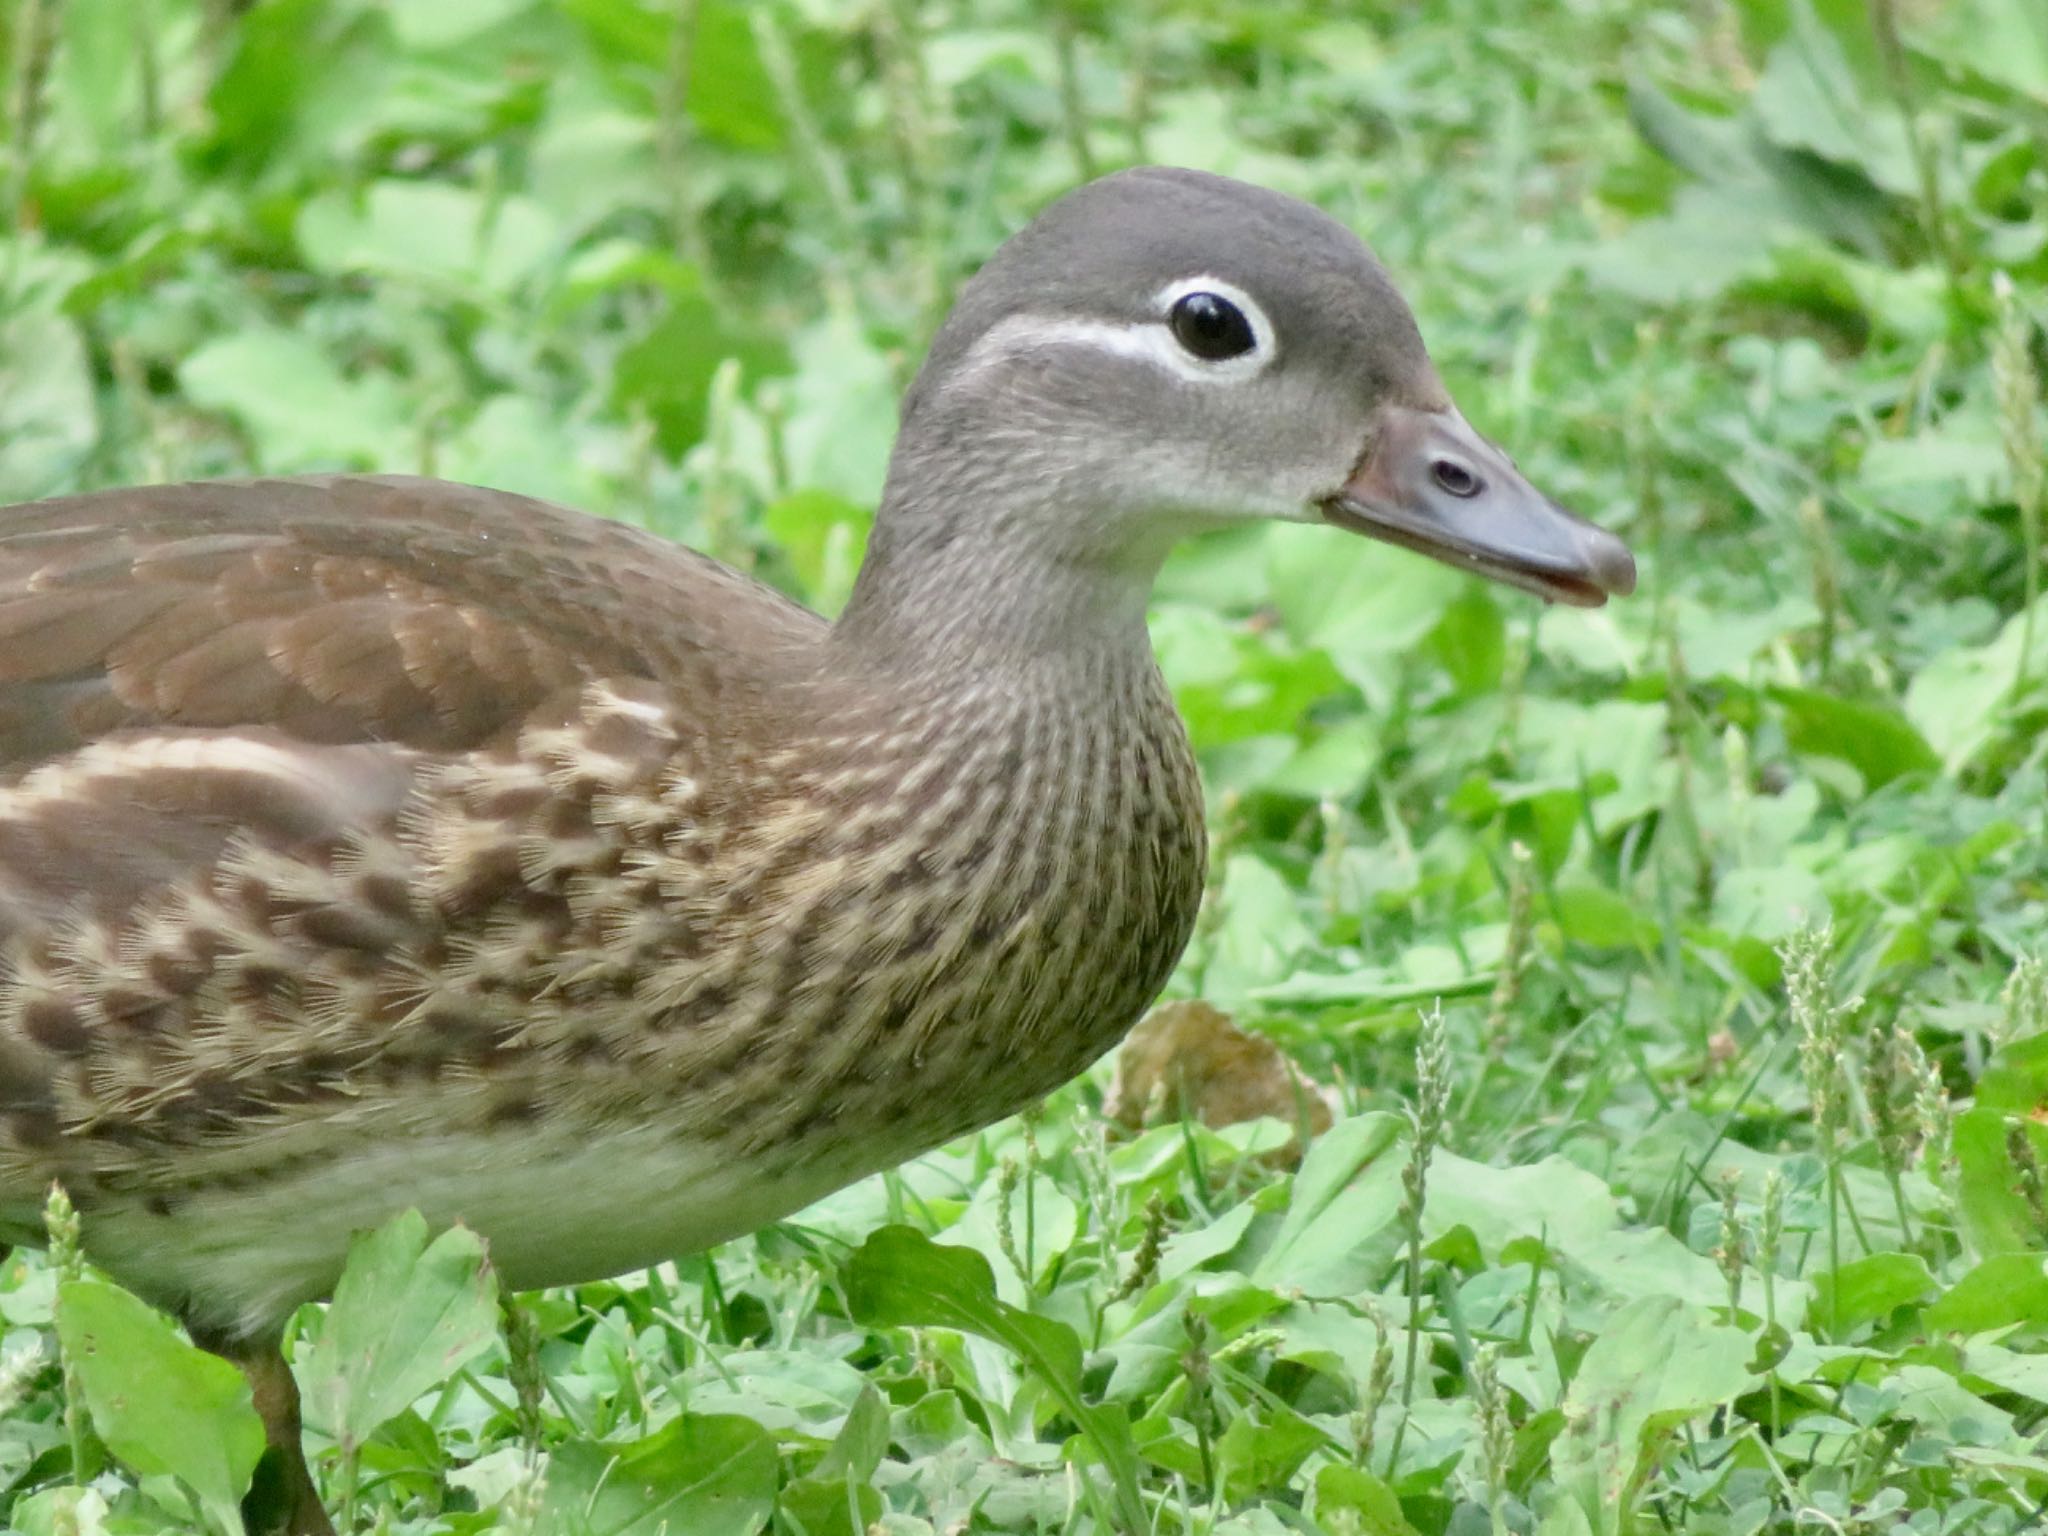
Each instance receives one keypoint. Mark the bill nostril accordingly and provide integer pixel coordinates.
(1455, 478)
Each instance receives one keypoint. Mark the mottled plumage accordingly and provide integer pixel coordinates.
(579, 832)
(370, 843)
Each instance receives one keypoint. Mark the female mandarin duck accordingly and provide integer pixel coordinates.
(369, 843)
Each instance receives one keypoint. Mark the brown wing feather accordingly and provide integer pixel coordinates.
(345, 609)
(183, 666)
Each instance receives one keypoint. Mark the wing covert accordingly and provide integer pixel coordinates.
(348, 609)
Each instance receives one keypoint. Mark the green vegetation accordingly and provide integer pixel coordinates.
(1712, 1199)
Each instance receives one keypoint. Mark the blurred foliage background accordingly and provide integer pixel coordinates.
(1731, 1122)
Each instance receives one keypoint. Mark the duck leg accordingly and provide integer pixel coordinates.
(283, 1500)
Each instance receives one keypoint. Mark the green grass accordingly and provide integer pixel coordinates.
(1727, 1213)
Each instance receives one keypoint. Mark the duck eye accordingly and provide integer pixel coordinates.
(1211, 327)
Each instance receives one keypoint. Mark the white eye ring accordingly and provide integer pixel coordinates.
(1265, 345)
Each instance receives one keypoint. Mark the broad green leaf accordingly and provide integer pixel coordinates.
(1944, 470)
(1637, 1264)
(407, 1315)
(1809, 99)
(862, 1440)
(1706, 147)
(304, 80)
(47, 416)
(1617, 749)
(587, 164)
(1333, 765)
(700, 1475)
(1595, 915)
(1043, 1222)
(1657, 1363)
(786, 1391)
(1934, 1400)
(2016, 1078)
(429, 232)
(1994, 1214)
(1716, 640)
(1357, 601)
(1715, 236)
(623, 31)
(736, 102)
(1338, 1235)
(1878, 744)
(1554, 1201)
(2003, 40)
(1258, 1453)
(938, 1422)
(2004, 1289)
(425, 24)
(1866, 1290)
(1768, 903)
(2011, 1370)
(835, 1499)
(899, 1278)
(1260, 932)
(95, 83)
(1565, 1518)
(830, 1506)
(667, 371)
(838, 418)
(514, 443)
(1165, 1443)
(1347, 1494)
(1197, 1245)
(1237, 686)
(1471, 640)
(161, 1405)
(291, 397)
(1964, 697)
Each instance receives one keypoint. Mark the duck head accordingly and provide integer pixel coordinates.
(1164, 351)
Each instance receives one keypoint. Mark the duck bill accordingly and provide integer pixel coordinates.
(1432, 484)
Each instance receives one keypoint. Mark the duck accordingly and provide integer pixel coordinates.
(371, 843)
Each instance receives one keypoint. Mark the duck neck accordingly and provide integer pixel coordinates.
(962, 578)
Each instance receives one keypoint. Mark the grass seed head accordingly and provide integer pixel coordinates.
(2023, 1002)
(2018, 393)
(1808, 959)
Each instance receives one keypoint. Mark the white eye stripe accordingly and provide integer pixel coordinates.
(1149, 341)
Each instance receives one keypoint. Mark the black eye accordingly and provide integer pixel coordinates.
(1456, 478)
(1211, 327)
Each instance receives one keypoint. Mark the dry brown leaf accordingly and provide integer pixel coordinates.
(1189, 1054)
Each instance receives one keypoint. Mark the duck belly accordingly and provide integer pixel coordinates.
(553, 1208)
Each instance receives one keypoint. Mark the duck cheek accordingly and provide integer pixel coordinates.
(1291, 447)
